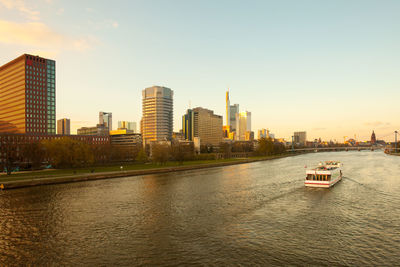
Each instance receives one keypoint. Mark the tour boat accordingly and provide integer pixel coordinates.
(325, 175)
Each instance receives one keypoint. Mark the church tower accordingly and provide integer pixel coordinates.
(373, 138)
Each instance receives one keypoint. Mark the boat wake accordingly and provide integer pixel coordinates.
(371, 188)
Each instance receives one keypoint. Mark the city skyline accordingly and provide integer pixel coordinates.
(332, 80)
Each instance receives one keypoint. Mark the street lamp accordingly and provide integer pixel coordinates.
(395, 141)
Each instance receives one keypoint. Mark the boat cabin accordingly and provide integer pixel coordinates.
(318, 177)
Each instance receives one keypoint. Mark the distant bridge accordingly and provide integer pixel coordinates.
(327, 149)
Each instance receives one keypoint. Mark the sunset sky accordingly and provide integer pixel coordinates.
(331, 68)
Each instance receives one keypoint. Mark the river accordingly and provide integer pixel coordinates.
(250, 214)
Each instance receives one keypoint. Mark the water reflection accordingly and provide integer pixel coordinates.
(246, 214)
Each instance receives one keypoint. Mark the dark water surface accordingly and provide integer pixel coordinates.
(250, 214)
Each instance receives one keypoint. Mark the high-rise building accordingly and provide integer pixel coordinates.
(243, 125)
(300, 138)
(263, 133)
(28, 95)
(157, 119)
(64, 126)
(105, 118)
(228, 110)
(234, 109)
(188, 125)
(231, 111)
(129, 125)
(204, 124)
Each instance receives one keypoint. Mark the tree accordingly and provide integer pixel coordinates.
(265, 146)
(182, 151)
(226, 149)
(160, 153)
(68, 153)
(9, 152)
(279, 148)
(242, 146)
(141, 156)
(34, 154)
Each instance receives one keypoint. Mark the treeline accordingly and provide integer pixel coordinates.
(267, 147)
(71, 153)
(61, 153)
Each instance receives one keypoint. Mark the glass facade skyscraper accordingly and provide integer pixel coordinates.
(105, 118)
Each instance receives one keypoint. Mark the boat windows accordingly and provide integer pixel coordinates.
(318, 177)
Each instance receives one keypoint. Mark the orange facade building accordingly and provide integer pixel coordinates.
(27, 96)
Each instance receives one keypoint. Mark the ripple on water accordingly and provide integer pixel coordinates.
(250, 214)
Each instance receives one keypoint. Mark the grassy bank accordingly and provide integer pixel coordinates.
(34, 178)
(103, 169)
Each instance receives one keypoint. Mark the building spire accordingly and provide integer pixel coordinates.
(228, 113)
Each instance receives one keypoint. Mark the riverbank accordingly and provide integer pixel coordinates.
(67, 176)
(393, 154)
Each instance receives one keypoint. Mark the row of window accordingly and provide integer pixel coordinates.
(36, 59)
(50, 83)
(36, 130)
(29, 82)
(33, 68)
(39, 95)
(31, 87)
(38, 102)
(30, 111)
(50, 78)
(37, 119)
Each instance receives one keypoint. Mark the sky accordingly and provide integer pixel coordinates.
(330, 68)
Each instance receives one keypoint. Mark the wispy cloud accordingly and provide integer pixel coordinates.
(38, 34)
(60, 11)
(104, 24)
(89, 10)
(319, 129)
(377, 123)
(22, 7)
(115, 24)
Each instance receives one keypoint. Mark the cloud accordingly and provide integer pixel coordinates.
(38, 34)
(20, 6)
(60, 11)
(377, 124)
(105, 24)
(115, 24)
(89, 10)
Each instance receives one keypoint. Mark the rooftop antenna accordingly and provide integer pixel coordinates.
(190, 104)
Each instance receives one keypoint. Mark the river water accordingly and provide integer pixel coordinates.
(249, 214)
